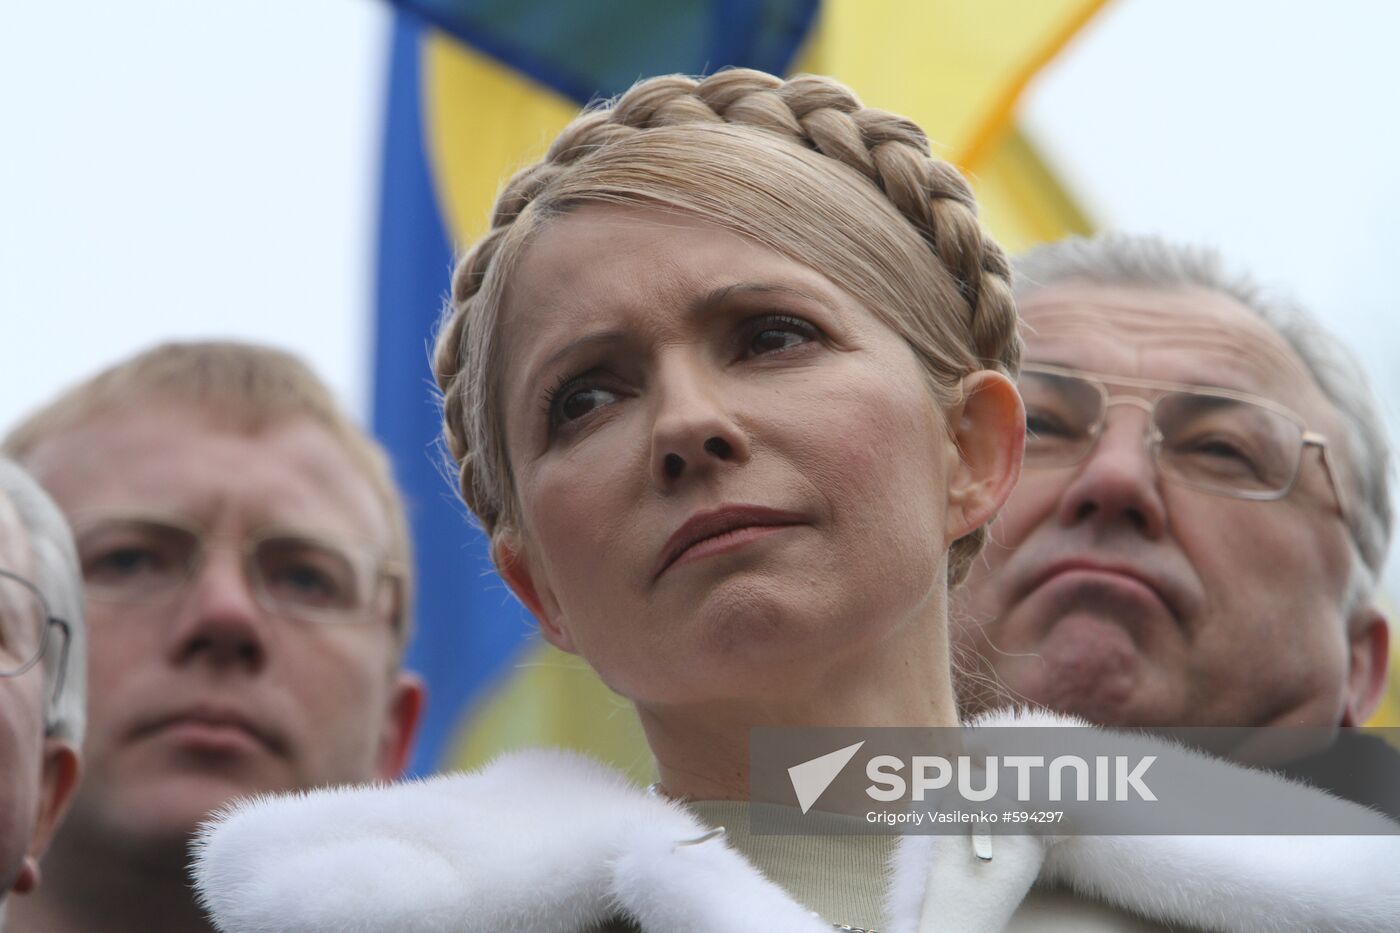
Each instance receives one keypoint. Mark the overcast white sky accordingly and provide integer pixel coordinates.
(175, 169)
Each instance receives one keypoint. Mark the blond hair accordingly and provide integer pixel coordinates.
(244, 387)
(798, 166)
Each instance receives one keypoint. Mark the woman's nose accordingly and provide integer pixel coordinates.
(695, 430)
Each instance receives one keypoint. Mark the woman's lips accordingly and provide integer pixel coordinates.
(728, 528)
(728, 541)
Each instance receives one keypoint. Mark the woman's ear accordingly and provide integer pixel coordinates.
(989, 431)
(513, 562)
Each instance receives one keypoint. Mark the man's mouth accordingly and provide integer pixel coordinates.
(211, 729)
(1130, 581)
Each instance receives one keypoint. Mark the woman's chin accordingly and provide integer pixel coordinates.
(752, 650)
(765, 618)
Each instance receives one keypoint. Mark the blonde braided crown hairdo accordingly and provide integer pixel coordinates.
(747, 133)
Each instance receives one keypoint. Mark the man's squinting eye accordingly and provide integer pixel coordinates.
(776, 332)
(1041, 423)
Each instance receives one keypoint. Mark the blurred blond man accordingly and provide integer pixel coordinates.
(245, 557)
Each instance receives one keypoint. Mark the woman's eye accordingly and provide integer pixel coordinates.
(580, 403)
(777, 333)
(571, 403)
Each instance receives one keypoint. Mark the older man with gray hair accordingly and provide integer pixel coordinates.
(42, 676)
(1204, 511)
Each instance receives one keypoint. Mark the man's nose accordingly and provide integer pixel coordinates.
(694, 432)
(219, 622)
(1118, 481)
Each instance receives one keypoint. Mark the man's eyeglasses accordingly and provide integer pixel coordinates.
(292, 575)
(1216, 440)
(26, 629)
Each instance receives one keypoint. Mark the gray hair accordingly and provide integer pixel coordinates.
(57, 575)
(1120, 259)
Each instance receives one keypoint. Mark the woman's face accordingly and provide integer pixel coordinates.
(731, 475)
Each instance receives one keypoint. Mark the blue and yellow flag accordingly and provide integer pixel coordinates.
(478, 88)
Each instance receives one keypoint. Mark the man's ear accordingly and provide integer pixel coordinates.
(1368, 652)
(989, 431)
(401, 723)
(60, 779)
(513, 563)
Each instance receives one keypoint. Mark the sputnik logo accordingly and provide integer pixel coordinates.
(811, 778)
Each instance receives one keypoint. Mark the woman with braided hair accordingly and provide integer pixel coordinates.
(728, 384)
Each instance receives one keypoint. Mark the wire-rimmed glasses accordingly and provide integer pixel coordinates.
(143, 558)
(1217, 440)
(26, 629)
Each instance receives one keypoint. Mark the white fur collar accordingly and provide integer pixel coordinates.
(552, 842)
(540, 841)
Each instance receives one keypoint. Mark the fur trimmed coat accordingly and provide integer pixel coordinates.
(553, 842)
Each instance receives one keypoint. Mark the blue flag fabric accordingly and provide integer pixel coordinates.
(587, 50)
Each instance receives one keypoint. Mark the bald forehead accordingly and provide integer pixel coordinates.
(1189, 335)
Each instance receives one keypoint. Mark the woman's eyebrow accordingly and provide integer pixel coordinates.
(603, 336)
(719, 296)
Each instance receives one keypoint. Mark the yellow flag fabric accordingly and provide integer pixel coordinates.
(483, 122)
(1388, 713)
(955, 68)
